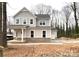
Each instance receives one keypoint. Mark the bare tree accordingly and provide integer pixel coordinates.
(74, 8)
(42, 9)
(46, 9)
(67, 12)
(55, 18)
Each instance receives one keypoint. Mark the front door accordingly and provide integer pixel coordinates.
(44, 34)
(32, 34)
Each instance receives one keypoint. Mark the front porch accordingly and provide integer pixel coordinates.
(20, 35)
(32, 34)
(31, 40)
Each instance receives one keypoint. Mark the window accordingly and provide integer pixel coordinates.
(24, 21)
(31, 21)
(44, 34)
(32, 33)
(42, 23)
(17, 21)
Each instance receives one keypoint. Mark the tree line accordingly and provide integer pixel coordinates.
(71, 31)
(66, 20)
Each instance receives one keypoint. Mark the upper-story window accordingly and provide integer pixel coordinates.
(42, 23)
(17, 21)
(24, 22)
(31, 21)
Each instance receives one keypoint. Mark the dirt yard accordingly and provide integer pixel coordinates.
(42, 50)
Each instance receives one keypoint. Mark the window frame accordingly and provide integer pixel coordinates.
(24, 21)
(44, 34)
(31, 21)
(17, 21)
(42, 23)
(32, 34)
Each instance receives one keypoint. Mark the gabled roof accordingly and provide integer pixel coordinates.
(24, 9)
(43, 16)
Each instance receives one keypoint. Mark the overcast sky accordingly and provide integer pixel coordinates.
(14, 6)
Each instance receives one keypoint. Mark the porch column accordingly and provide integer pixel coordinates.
(22, 35)
(16, 35)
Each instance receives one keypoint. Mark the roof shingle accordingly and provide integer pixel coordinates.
(42, 16)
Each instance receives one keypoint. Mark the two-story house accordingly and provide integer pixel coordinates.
(30, 27)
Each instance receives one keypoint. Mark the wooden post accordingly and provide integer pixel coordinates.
(3, 40)
(4, 25)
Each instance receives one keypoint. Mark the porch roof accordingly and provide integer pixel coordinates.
(28, 27)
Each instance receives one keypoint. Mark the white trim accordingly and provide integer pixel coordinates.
(22, 35)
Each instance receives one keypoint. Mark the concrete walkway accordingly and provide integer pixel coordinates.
(56, 42)
(33, 43)
(17, 42)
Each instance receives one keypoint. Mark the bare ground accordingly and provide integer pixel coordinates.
(46, 50)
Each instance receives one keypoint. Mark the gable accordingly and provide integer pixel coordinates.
(24, 10)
